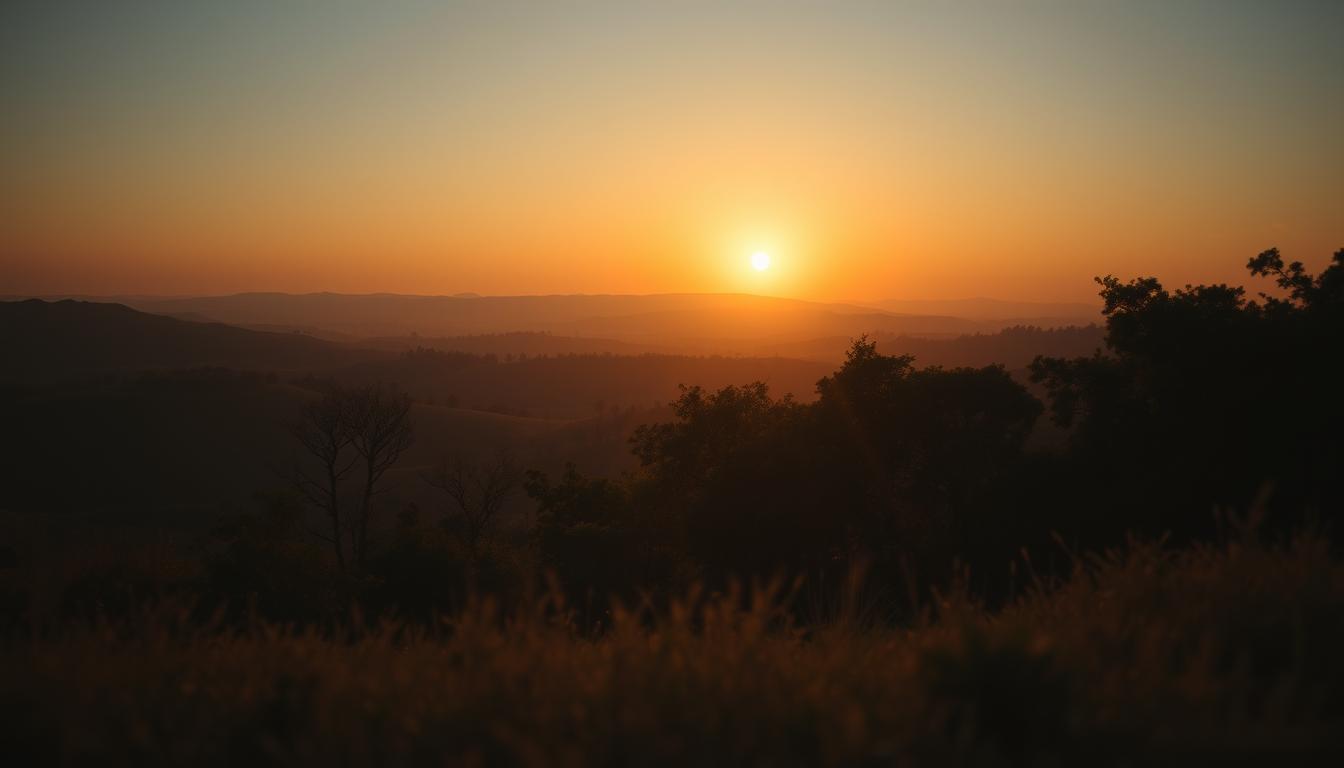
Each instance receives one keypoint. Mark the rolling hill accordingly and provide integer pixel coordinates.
(716, 323)
(1017, 312)
(194, 418)
(53, 340)
(178, 450)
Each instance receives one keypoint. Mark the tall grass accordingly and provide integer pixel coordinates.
(1228, 654)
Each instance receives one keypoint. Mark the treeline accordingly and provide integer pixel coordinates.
(515, 343)
(1013, 347)
(574, 384)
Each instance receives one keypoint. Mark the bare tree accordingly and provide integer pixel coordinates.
(324, 431)
(476, 492)
(380, 431)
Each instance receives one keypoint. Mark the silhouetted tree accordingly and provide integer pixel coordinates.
(368, 426)
(589, 535)
(325, 433)
(476, 492)
(731, 483)
(379, 431)
(1204, 398)
(925, 453)
(890, 461)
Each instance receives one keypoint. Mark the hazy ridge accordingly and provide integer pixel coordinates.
(730, 323)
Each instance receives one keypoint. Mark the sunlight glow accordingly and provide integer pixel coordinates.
(760, 261)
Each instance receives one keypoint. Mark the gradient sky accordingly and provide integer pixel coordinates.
(876, 149)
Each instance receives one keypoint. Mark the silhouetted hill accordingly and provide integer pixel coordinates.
(980, 308)
(560, 376)
(181, 446)
(514, 343)
(726, 323)
(177, 449)
(575, 386)
(44, 340)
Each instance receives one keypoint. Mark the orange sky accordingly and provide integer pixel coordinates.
(876, 150)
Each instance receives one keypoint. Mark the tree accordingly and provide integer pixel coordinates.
(920, 457)
(345, 427)
(379, 431)
(709, 428)
(477, 492)
(1205, 398)
(1323, 293)
(889, 461)
(590, 537)
(324, 431)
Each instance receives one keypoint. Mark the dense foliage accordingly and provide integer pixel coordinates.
(1203, 402)
(1207, 399)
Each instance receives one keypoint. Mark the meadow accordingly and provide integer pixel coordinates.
(1222, 653)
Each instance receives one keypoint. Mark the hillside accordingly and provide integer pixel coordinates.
(729, 323)
(576, 386)
(513, 344)
(980, 308)
(180, 449)
(46, 340)
(167, 441)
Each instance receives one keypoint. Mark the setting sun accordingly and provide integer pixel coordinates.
(760, 261)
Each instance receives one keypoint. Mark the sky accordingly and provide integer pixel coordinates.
(875, 150)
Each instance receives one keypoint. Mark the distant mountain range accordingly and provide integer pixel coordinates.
(556, 376)
(702, 323)
(995, 309)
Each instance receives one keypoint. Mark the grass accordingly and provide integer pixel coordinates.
(1224, 654)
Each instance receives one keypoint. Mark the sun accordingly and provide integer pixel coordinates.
(760, 261)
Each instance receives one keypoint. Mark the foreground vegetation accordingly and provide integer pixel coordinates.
(1144, 655)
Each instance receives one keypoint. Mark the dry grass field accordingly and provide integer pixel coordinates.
(1145, 656)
